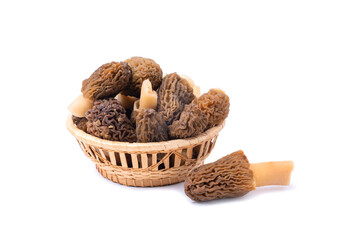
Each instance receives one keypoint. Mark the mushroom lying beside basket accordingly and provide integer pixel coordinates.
(234, 176)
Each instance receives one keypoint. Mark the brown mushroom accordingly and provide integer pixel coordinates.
(215, 104)
(173, 94)
(150, 126)
(80, 122)
(107, 120)
(142, 69)
(234, 176)
(191, 123)
(107, 81)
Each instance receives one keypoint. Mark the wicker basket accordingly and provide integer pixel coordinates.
(146, 164)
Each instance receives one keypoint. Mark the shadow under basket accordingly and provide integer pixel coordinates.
(146, 164)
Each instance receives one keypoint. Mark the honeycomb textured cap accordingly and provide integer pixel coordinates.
(107, 120)
(150, 126)
(173, 94)
(142, 69)
(107, 81)
(229, 176)
(215, 104)
(80, 122)
(191, 123)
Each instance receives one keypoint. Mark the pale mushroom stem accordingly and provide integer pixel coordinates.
(148, 97)
(126, 101)
(80, 106)
(272, 173)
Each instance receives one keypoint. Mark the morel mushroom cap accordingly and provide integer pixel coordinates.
(173, 94)
(215, 104)
(80, 122)
(142, 69)
(107, 119)
(229, 176)
(107, 81)
(150, 126)
(191, 123)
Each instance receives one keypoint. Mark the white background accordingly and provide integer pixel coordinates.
(290, 68)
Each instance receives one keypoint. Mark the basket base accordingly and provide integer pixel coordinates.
(155, 182)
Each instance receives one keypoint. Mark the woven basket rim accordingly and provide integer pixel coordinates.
(141, 147)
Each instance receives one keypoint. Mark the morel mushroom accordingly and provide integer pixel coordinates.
(191, 123)
(150, 126)
(173, 94)
(234, 176)
(107, 119)
(215, 104)
(142, 69)
(107, 81)
(80, 122)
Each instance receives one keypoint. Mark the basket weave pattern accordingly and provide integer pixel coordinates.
(146, 164)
